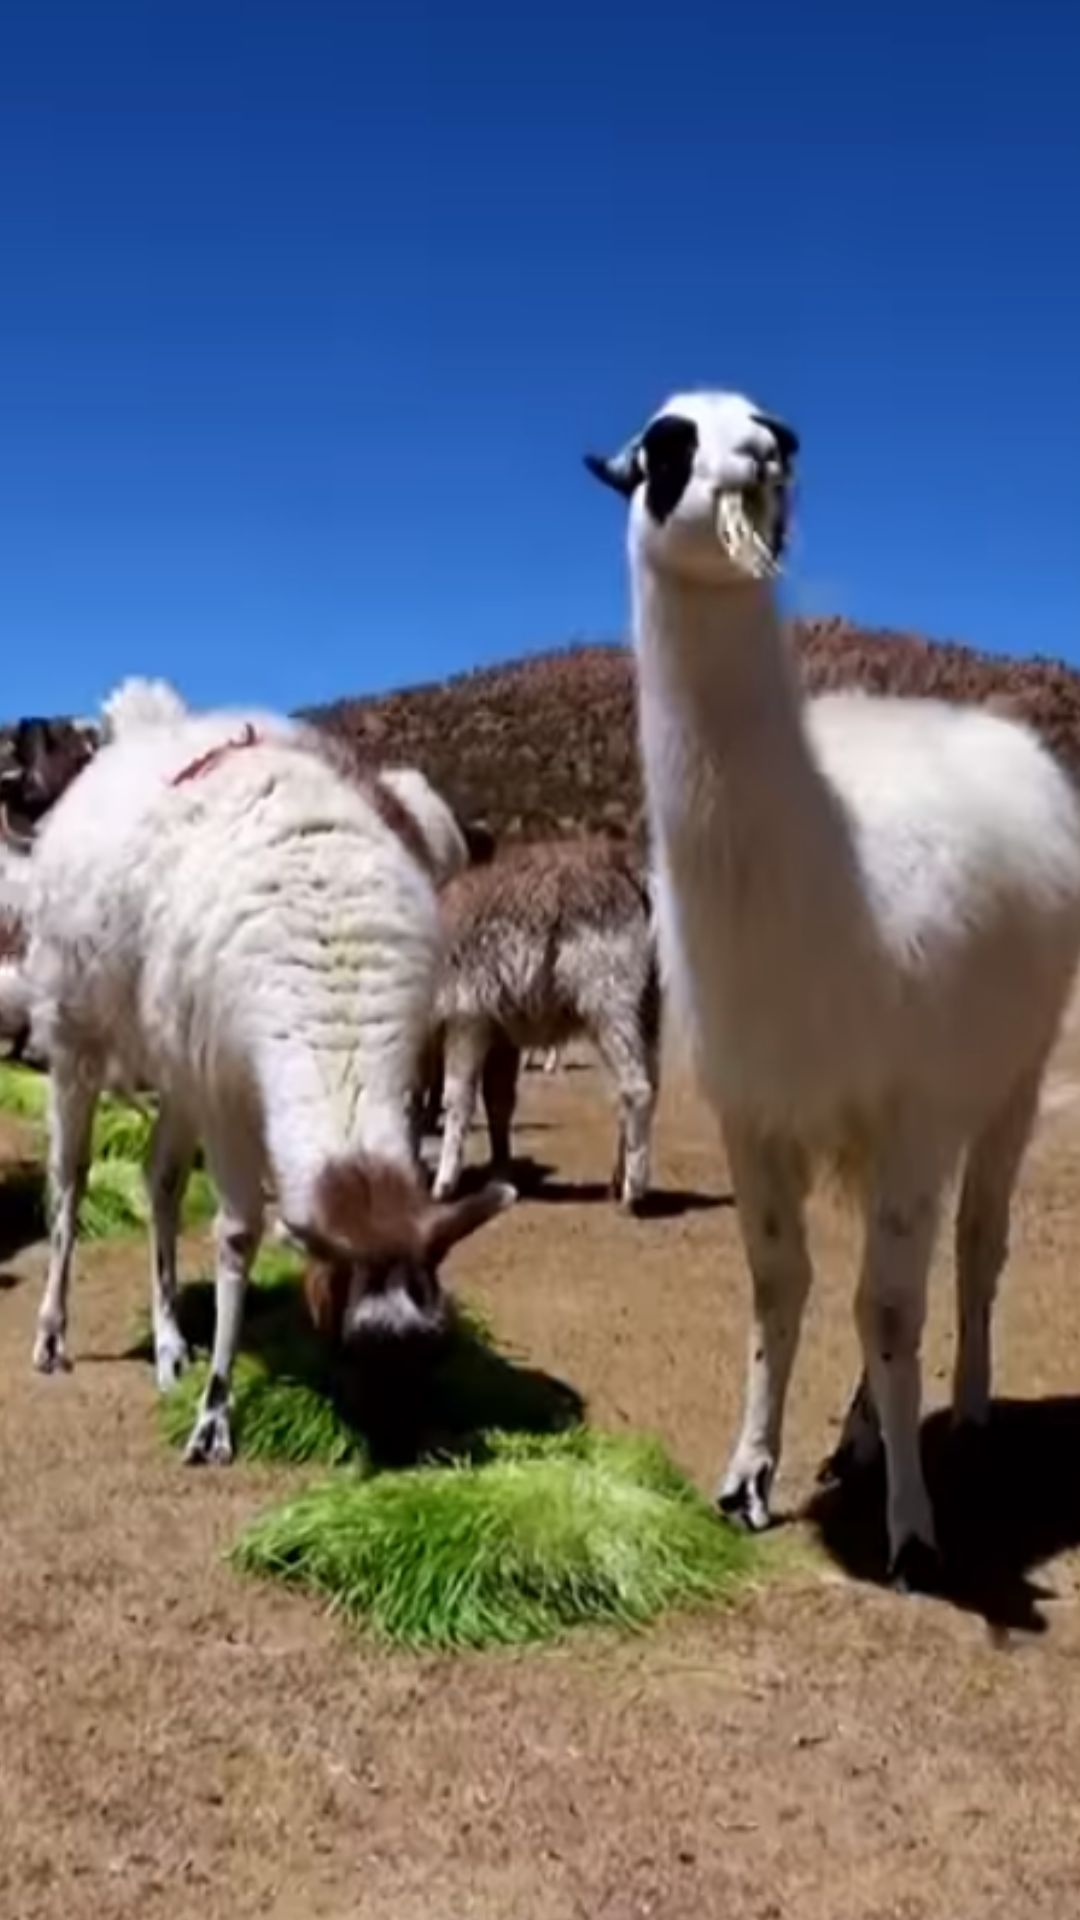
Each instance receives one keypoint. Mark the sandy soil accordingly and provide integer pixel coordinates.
(176, 1742)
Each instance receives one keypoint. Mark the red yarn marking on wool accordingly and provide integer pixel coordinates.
(249, 738)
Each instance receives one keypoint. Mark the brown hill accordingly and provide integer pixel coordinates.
(547, 745)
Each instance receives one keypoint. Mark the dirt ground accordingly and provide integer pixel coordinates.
(176, 1742)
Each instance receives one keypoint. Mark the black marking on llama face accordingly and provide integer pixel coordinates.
(668, 448)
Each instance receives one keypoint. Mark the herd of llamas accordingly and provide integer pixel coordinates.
(864, 911)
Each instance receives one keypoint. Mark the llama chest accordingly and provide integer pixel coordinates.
(776, 1017)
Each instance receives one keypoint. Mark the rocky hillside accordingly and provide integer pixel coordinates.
(547, 745)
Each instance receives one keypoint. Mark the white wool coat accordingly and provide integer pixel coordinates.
(255, 943)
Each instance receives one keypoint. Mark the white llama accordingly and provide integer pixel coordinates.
(220, 914)
(869, 919)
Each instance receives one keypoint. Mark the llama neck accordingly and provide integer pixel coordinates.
(726, 754)
(326, 1104)
(752, 844)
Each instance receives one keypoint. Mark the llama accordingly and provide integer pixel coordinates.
(44, 758)
(443, 842)
(226, 918)
(546, 942)
(14, 994)
(14, 897)
(869, 920)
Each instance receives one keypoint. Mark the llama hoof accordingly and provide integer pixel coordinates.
(211, 1440)
(744, 1498)
(170, 1363)
(50, 1353)
(916, 1567)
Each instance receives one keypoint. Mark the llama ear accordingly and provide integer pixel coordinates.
(317, 1245)
(449, 1221)
(787, 440)
(624, 470)
(18, 842)
(321, 1291)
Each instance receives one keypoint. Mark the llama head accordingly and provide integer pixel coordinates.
(45, 757)
(376, 1242)
(709, 482)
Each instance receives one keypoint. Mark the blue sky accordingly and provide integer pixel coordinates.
(308, 310)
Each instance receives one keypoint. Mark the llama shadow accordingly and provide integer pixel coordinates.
(527, 1175)
(403, 1407)
(1005, 1501)
(532, 1178)
(659, 1204)
(669, 1203)
(22, 1207)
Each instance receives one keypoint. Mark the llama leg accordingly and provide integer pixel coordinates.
(466, 1049)
(425, 1098)
(890, 1309)
(860, 1437)
(628, 1060)
(74, 1085)
(172, 1151)
(237, 1232)
(433, 1094)
(982, 1240)
(770, 1189)
(500, 1080)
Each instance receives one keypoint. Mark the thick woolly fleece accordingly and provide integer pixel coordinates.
(241, 930)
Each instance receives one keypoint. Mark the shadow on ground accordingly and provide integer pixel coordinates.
(402, 1408)
(22, 1206)
(1005, 1502)
(532, 1178)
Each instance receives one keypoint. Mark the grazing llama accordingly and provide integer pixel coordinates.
(546, 943)
(869, 920)
(219, 914)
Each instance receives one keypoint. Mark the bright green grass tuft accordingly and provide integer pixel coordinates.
(22, 1092)
(287, 1407)
(274, 1417)
(116, 1200)
(283, 1409)
(547, 1533)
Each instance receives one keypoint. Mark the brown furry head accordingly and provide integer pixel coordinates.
(46, 755)
(376, 1241)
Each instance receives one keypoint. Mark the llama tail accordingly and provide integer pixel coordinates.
(137, 704)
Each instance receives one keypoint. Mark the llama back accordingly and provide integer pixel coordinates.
(968, 844)
(542, 936)
(229, 889)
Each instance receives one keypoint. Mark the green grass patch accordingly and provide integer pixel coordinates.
(544, 1534)
(294, 1402)
(116, 1201)
(284, 1406)
(23, 1093)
